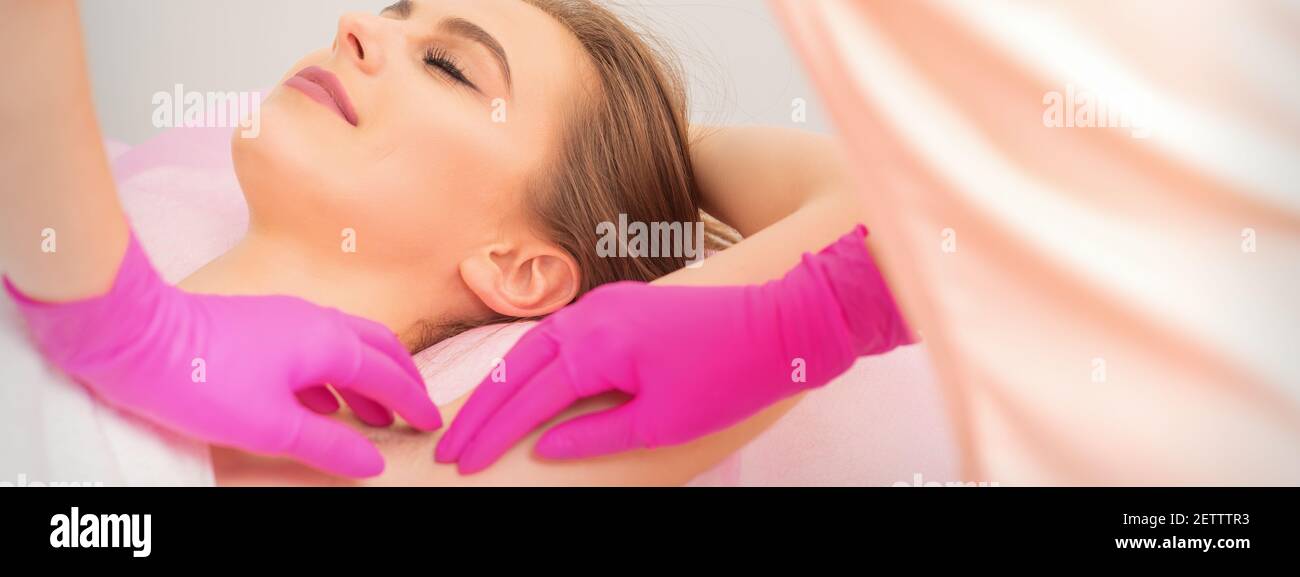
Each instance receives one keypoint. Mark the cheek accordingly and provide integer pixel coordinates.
(453, 176)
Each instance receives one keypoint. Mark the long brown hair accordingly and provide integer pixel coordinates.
(625, 151)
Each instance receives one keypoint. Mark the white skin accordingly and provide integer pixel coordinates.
(431, 186)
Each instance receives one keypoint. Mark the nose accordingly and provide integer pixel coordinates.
(360, 40)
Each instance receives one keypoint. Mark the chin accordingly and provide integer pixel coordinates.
(286, 169)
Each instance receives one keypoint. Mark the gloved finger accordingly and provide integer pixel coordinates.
(593, 435)
(370, 412)
(540, 400)
(379, 337)
(383, 381)
(531, 354)
(333, 447)
(318, 399)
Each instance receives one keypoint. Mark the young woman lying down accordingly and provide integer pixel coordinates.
(396, 134)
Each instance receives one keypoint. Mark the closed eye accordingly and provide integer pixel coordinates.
(446, 63)
(460, 27)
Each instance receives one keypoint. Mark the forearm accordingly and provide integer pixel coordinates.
(773, 251)
(62, 230)
(753, 176)
(788, 192)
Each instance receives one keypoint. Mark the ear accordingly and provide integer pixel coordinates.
(522, 281)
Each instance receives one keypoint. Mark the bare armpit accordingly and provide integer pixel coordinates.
(409, 457)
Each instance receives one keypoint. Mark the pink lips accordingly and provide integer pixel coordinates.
(324, 87)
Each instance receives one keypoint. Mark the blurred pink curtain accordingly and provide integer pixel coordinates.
(1091, 211)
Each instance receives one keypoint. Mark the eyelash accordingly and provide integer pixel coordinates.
(444, 62)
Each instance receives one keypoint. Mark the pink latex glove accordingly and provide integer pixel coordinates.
(233, 370)
(695, 359)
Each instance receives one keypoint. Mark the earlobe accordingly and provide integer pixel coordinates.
(519, 282)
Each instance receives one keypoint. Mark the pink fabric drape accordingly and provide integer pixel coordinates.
(1091, 211)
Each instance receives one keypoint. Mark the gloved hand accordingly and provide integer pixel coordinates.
(695, 359)
(232, 370)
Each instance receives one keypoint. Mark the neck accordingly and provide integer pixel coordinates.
(397, 296)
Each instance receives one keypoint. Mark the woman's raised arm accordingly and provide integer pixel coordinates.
(787, 191)
(63, 231)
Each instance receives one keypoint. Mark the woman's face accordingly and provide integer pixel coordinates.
(451, 106)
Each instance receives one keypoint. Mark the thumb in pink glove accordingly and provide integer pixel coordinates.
(695, 359)
(234, 371)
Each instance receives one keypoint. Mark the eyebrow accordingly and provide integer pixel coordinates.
(465, 29)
